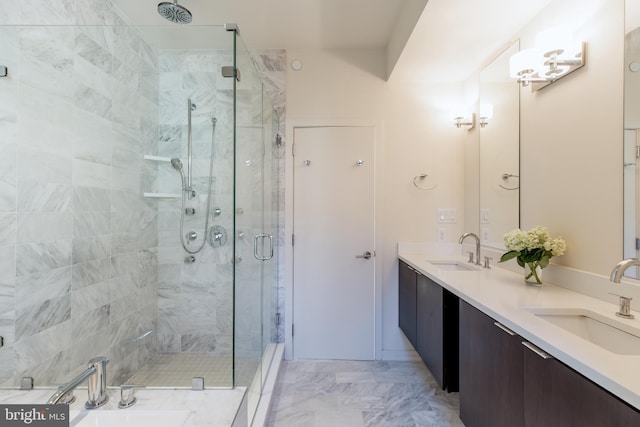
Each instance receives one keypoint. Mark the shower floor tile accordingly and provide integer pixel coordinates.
(178, 370)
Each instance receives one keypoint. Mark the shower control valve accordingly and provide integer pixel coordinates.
(191, 236)
(190, 211)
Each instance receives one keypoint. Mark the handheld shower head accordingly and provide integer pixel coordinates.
(174, 12)
(177, 165)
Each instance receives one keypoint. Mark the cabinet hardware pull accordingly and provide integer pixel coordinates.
(504, 328)
(536, 350)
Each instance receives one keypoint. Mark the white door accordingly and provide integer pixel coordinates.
(333, 288)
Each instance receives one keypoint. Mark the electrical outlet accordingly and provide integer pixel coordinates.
(442, 234)
(484, 234)
(484, 216)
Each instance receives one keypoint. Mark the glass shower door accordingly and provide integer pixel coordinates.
(253, 278)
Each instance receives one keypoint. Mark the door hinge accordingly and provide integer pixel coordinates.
(293, 149)
(230, 71)
(637, 151)
(277, 319)
(637, 244)
(292, 329)
(293, 239)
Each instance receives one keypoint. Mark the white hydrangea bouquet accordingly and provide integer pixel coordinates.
(532, 249)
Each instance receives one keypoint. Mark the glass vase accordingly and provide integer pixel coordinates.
(532, 274)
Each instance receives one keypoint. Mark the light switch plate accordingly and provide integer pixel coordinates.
(446, 216)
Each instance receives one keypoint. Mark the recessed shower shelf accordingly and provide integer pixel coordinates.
(162, 195)
(157, 158)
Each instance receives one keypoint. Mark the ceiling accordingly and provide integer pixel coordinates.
(287, 23)
(451, 40)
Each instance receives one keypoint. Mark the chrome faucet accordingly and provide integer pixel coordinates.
(96, 377)
(464, 236)
(624, 309)
(621, 267)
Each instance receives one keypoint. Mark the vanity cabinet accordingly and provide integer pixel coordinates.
(491, 366)
(506, 381)
(407, 301)
(437, 331)
(428, 316)
(556, 395)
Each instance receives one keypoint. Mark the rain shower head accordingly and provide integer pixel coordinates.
(174, 12)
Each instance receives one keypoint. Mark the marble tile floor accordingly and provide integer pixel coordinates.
(360, 394)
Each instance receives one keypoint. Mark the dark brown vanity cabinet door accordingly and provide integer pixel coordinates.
(558, 396)
(437, 332)
(430, 323)
(407, 302)
(491, 367)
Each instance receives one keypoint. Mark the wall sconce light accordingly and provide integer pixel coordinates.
(462, 116)
(486, 113)
(556, 54)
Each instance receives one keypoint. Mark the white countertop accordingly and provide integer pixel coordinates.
(502, 295)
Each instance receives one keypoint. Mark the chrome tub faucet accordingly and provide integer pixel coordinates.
(96, 377)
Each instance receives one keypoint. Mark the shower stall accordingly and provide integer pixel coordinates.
(139, 206)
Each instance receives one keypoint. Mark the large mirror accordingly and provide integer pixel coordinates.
(499, 121)
(632, 134)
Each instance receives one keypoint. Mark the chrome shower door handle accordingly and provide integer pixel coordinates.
(365, 255)
(255, 247)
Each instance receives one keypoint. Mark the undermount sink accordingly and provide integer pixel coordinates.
(620, 337)
(452, 265)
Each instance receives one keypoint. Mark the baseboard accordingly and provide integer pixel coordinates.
(401, 355)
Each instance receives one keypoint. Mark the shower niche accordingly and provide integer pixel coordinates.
(169, 190)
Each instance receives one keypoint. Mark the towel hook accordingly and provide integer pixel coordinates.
(422, 177)
(505, 178)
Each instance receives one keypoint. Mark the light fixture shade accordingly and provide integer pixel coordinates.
(544, 71)
(523, 62)
(555, 55)
(556, 39)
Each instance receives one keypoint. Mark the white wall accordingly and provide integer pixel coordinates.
(571, 146)
(416, 137)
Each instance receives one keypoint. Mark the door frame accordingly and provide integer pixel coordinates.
(292, 125)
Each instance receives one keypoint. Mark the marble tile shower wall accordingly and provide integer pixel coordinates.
(195, 300)
(78, 242)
